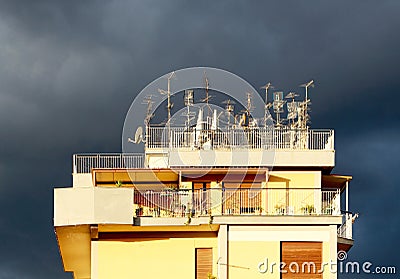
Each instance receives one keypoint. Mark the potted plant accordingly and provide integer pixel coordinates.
(280, 209)
(308, 209)
(139, 211)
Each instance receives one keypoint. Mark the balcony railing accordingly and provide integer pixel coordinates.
(346, 229)
(271, 201)
(84, 163)
(252, 138)
(249, 138)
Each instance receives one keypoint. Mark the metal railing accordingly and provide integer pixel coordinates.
(265, 201)
(84, 163)
(346, 229)
(251, 138)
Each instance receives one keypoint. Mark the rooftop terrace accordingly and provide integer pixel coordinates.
(261, 146)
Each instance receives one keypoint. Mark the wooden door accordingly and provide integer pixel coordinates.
(302, 256)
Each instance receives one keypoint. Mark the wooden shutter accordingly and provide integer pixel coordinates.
(300, 252)
(203, 262)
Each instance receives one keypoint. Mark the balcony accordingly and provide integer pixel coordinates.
(240, 138)
(85, 163)
(239, 202)
(237, 147)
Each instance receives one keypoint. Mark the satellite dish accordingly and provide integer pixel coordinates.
(138, 136)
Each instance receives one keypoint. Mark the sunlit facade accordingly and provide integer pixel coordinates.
(207, 202)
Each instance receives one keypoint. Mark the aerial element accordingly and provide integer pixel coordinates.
(205, 127)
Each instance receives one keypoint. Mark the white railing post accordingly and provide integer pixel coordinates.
(336, 203)
(74, 164)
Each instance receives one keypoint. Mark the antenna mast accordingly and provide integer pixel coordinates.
(278, 106)
(305, 112)
(292, 108)
(169, 105)
(229, 107)
(267, 106)
(207, 86)
(188, 100)
(249, 108)
(208, 97)
(149, 103)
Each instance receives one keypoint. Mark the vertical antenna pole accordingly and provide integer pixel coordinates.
(265, 107)
(305, 110)
(169, 105)
(310, 83)
(267, 86)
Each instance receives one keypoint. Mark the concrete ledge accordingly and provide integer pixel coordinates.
(240, 220)
(278, 220)
(107, 228)
(171, 221)
(95, 205)
(251, 158)
(82, 180)
(74, 245)
(344, 244)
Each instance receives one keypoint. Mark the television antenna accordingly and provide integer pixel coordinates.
(149, 103)
(292, 107)
(207, 86)
(208, 96)
(169, 105)
(305, 109)
(188, 100)
(245, 119)
(249, 106)
(278, 106)
(267, 105)
(229, 107)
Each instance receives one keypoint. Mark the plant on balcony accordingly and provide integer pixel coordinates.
(258, 210)
(328, 210)
(156, 212)
(308, 209)
(118, 183)
(188, 221)
(139, 211)
(280, 209)
(210, 276)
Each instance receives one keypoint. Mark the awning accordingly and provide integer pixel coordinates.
(335, 181)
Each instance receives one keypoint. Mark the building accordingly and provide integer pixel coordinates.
(204, 201)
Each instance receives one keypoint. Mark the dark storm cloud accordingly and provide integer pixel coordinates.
(70, 69)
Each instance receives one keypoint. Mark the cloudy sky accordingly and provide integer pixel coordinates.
(69, 71)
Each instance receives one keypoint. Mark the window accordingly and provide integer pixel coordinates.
(203, 262)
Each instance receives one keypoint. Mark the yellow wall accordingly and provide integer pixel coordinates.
(295, 179)
(326, 246)
(293, 201)
(245, 256)
(149, 258)
(250, 245)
